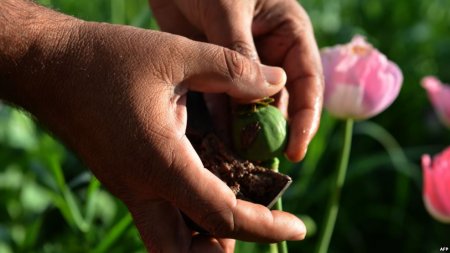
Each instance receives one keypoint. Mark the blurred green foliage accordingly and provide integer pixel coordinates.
(51, 203)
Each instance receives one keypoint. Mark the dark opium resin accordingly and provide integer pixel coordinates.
(248, 181)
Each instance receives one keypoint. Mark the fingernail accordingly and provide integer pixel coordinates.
(273, 75)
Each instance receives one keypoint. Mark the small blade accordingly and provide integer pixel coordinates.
(280, 193)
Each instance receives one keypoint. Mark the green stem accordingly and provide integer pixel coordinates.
(333, 204)
(280, 247)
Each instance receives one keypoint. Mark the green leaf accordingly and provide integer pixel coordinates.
(106, 207)
(53, 164)
(33, 232)
(34, 198)
(62, 206)
(118, 12)
(74, 209)
(91, 199)
(11, 178)
(142, 19)
(69, 206)
(116, 232)
(5, 248)
(21, 131)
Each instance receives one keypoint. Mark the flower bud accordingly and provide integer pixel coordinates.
(439, 95)
(436, 185)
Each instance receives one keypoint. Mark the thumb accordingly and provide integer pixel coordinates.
(214, 69)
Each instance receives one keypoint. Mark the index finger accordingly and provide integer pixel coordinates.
(305, 83)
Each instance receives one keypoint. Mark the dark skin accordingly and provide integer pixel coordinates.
(116, 96)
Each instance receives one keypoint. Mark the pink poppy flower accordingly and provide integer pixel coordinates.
(436, 185)
(439, 95)
(360, 82)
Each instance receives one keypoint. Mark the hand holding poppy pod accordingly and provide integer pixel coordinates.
(275, 32)
(439, 95)
(360, 82)
(436, 185)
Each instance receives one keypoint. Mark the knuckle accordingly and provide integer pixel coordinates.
(220, 223)
(245, 49)
(235, 64)
(167, 62)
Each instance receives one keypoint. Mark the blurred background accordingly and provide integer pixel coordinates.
(49, 201)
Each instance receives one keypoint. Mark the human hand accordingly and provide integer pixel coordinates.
(278, 32)
(116, 95)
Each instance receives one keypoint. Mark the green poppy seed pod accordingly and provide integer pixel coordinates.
(259, 132)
